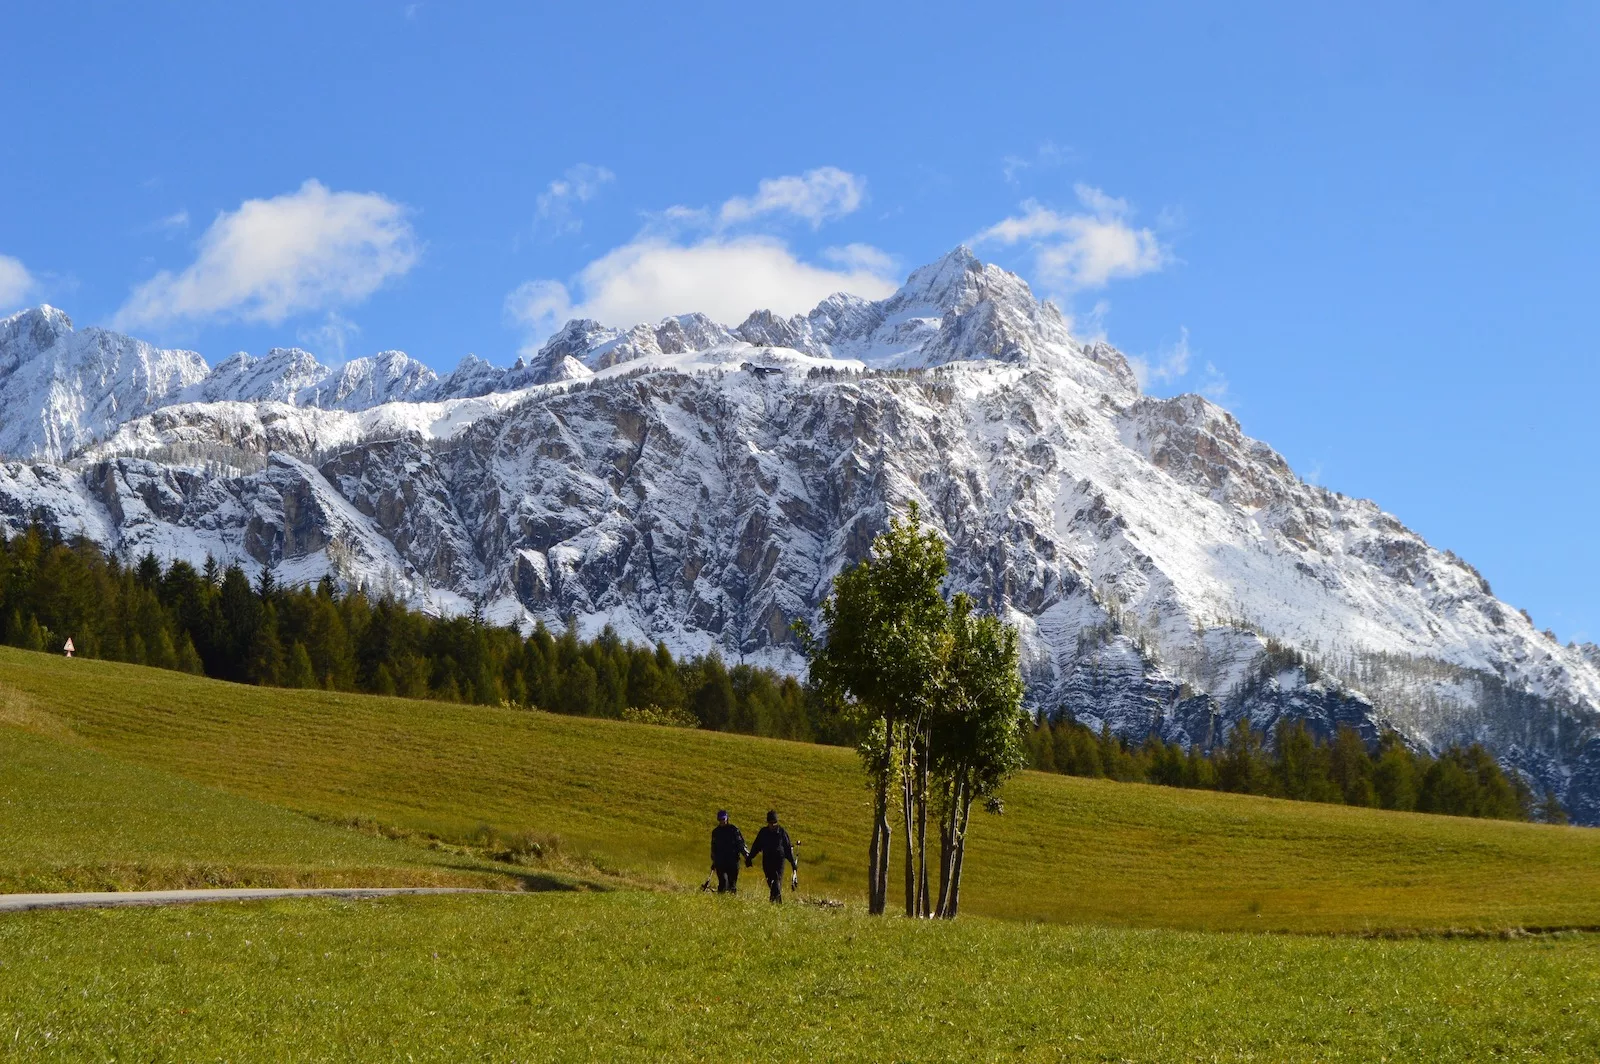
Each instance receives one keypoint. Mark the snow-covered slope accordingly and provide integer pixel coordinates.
(290, 375)
(60, 388)
(702, 485)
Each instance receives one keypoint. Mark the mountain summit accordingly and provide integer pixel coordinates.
(701, 484)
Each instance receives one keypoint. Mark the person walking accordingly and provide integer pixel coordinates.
(772, 843)
(727, 846)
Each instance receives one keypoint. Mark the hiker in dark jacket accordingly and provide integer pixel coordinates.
(772, 843)
(727, 846)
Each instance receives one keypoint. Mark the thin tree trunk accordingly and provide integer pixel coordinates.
(960, 858)
(907, 804)
(872, 857)
(944, 866)
(881, 887)
(878, 855)
(922, 829)
(947, 847)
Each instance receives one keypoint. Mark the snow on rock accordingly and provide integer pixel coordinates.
(698, 485)
(290, 375)
(60, 388)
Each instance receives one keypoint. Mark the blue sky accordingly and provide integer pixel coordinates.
(1369, 230)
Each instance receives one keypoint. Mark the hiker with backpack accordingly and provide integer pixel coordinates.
(772, 843)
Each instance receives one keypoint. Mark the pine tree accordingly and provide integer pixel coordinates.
(712, 700)
(299, 673)
(32, 634)
(1243, 766)
(189, 658)
(1351, 768)
(1549, 809)
(1394, 776)
(160, 652)
(266, 650)
(1300, 767)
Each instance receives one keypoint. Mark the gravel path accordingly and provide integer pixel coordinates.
(101, 899)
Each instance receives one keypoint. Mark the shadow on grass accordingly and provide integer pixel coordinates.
(531, 880)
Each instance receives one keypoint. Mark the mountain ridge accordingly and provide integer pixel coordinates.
(1168, 573)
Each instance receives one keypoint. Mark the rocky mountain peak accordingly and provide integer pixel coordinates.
(951, 283)
(40, 327)
(61, 388)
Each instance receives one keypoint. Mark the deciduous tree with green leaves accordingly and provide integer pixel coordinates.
(977, 735)
(935, 692)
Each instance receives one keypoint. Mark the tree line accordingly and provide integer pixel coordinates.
(1296, 764)
(215, 621)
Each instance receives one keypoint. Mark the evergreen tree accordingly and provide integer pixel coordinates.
(299, 672)
(266, 650)
(382, 680)
(1243, 766)
(1351, 768)
(160, 652)
(1549, 810)
(32, 634)
(712, 700)
(189, 658)
(1300, 765)
(1394, 776)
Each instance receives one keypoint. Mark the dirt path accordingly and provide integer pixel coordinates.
(101, 899)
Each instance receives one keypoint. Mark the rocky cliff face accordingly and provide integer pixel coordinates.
(702, 486)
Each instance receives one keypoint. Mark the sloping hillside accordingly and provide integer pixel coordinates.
(639, 799)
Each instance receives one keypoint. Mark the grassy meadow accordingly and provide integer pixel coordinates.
(660, 976)
(1103, 920)
(634, 802)
(74, 819)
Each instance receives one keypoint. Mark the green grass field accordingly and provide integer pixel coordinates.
(654, 976)
(636, 801)
(73, 819)
(118, 776)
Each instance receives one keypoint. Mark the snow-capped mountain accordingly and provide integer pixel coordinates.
(701, 484)
(60, 389)
(290, 375)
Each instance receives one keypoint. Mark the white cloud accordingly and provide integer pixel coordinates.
(648, 280)
(815, 196)
(1172, 364)
(330, 339)
(1049, 155)
(862, 258)
(1214, 386)
(308, 250)
(169, 226)
(1170, 370)
(1073, 252)
(16, 283)
(540, 306)
(559, 201)
(686, 260)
